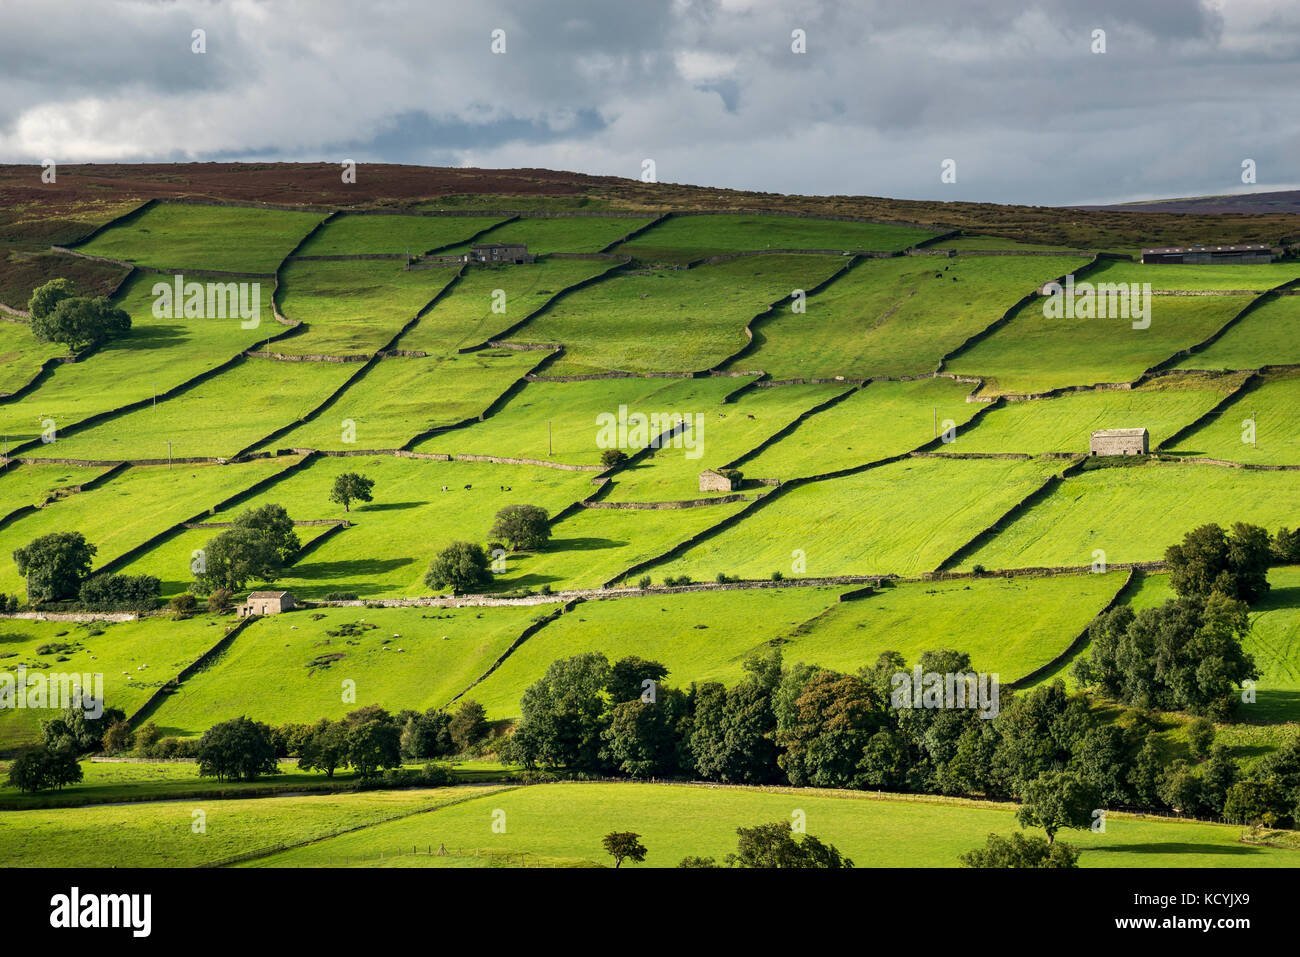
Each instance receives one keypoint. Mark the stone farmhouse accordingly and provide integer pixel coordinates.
(711, 480)
(1119, 442)
(491, 253)
(266, 603)
(1210, 255)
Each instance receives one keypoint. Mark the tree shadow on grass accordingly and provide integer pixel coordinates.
(388, 506)
(583, 544)
(338, 574)
(151, 337)
(1178, 847)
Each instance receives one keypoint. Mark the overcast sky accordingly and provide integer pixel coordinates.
(710, 91)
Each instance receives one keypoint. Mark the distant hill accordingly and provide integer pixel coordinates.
(1259, 204)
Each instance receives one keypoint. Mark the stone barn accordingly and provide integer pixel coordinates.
(1240, 254)
(711, 480)
(516, 253)
(266, 603)
(1119, 442)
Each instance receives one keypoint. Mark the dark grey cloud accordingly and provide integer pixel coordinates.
(708, 89)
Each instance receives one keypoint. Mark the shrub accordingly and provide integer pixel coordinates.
(183, 605)
(612, 457)
(644, 582)
(119, 593)
(777, 576)
(219, 602)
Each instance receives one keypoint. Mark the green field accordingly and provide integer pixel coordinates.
(558, 824)
(983, 243)
(569, 234)
(416, 658)
(221, 416)
(1252, 278)
(22, 355)
(135, 658)
(1268, 336)
(354, 308)
(1274, 410)
(1034, 353)
(884, 419)
(686, 238)
(486, 300)
(896, 317)
(32, 484)
(560, 421)
(170, 561)
(351, 234)
(891, 354)
(1007, 626)
(902, 519)
(229, 239)
(1064, 423)
(725, 433)
(392, 540)
(665, 320)
(398, 398)
(597, 545)
(111, 519)
(1133, 514)
(161, 834)
(158, 354)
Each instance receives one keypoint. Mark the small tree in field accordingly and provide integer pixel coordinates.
(524, 527)
(55, 565)
(624, 846)
(461, 566)
(76, 321)
(612, 457)
(351, 487)
(1056, 799)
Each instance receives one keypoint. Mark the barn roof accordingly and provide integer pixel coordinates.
(1117, 433)
(267, 594)
(1240, 248)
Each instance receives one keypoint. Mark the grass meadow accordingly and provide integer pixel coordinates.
(1033, 353)
(1272, 410)
(157, 355)
(1133, 514)
(569, 234)
(897, 317)
(136, 658)
(1065, 423)
(486, 300)
(416, 658)
(665, 320)
(349, 234)
(1268, 336)
(686, 238)
(353, 308)
(400, 397)
(558, 824)
(179, 236)
(901, 519)
(221, 416)
(110, 515)
(883, 419)
(392, 540)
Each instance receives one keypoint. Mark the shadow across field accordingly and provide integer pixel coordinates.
(1177, 847)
